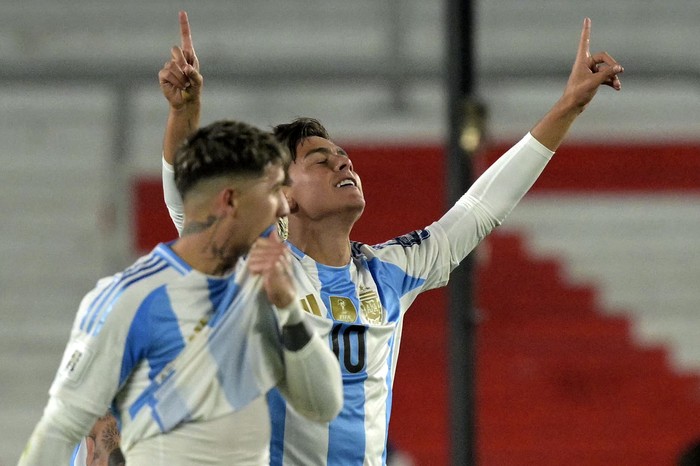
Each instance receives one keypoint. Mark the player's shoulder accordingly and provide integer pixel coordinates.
(136, 282)
(408, 240)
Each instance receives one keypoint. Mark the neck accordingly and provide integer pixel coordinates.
(326, 242)
(205, 252)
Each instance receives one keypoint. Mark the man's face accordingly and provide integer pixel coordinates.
(323, 182)
(261, 202)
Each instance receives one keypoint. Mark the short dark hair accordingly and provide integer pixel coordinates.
(291, 134)
(225, 147)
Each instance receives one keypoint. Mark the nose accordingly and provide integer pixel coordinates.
(283, 207)
(343, 162)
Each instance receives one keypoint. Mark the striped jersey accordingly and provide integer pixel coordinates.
(123, 351)
(359, 310)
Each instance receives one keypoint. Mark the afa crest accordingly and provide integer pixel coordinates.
(370, 306)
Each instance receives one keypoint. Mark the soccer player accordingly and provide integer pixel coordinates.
(356, 294)
(185, 343)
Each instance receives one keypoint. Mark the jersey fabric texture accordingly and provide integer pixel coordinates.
(359, 310)
(123, 351)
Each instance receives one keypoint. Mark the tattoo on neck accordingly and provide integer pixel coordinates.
(199, 226)
(224, 254)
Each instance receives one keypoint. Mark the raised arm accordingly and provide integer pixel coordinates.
(181, 84)
(498, 190)
(588, 73)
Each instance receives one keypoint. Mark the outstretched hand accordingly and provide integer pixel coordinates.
(270, 258)
(587, 75)
(591, 71)
(180, 80)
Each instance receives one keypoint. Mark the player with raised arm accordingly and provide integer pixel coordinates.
(185, 343)
(355, 294)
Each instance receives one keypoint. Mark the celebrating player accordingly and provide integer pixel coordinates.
(185, 343)
(356, 294)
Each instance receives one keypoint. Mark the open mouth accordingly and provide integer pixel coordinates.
(346, 182)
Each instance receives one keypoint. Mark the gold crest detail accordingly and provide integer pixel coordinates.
(370, 306)
(343, 309)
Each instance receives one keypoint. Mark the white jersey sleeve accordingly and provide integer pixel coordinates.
(172, 197)
(312, 383)
(493, 196)
(54, 437)
(432, 253)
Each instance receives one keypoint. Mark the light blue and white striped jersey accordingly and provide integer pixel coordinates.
(134, 324)
(359, 309)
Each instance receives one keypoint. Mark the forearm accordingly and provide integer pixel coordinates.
(312, 382)
(56, 435)
(554, 126)
(182, 122)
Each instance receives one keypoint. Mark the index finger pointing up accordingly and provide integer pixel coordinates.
(584, 50)
(185, 35)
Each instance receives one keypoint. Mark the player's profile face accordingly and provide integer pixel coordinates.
(262, 201)
(323, 179)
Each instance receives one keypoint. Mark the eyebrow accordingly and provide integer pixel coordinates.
(326, 151)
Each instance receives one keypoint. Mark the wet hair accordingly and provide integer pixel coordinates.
(291, 134)
(225, 148)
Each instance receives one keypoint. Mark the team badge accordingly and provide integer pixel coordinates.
(370, 306)
(343, 309)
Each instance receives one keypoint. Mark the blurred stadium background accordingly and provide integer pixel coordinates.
(589, 338)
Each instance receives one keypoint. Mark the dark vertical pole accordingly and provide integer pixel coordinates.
(465, 117)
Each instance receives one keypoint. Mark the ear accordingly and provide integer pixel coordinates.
(227, 202)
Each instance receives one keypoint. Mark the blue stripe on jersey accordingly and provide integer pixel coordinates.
(336, 281)
(346, 338)
(392, 283)
(107, 309)
(390, 395)
(346, 433)
(165, 251)
(108, 295)
(74, 455)
(278, 413)
(146, 264)
(221, 291)
(154, 335)
(161, 257)
(295, 250)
